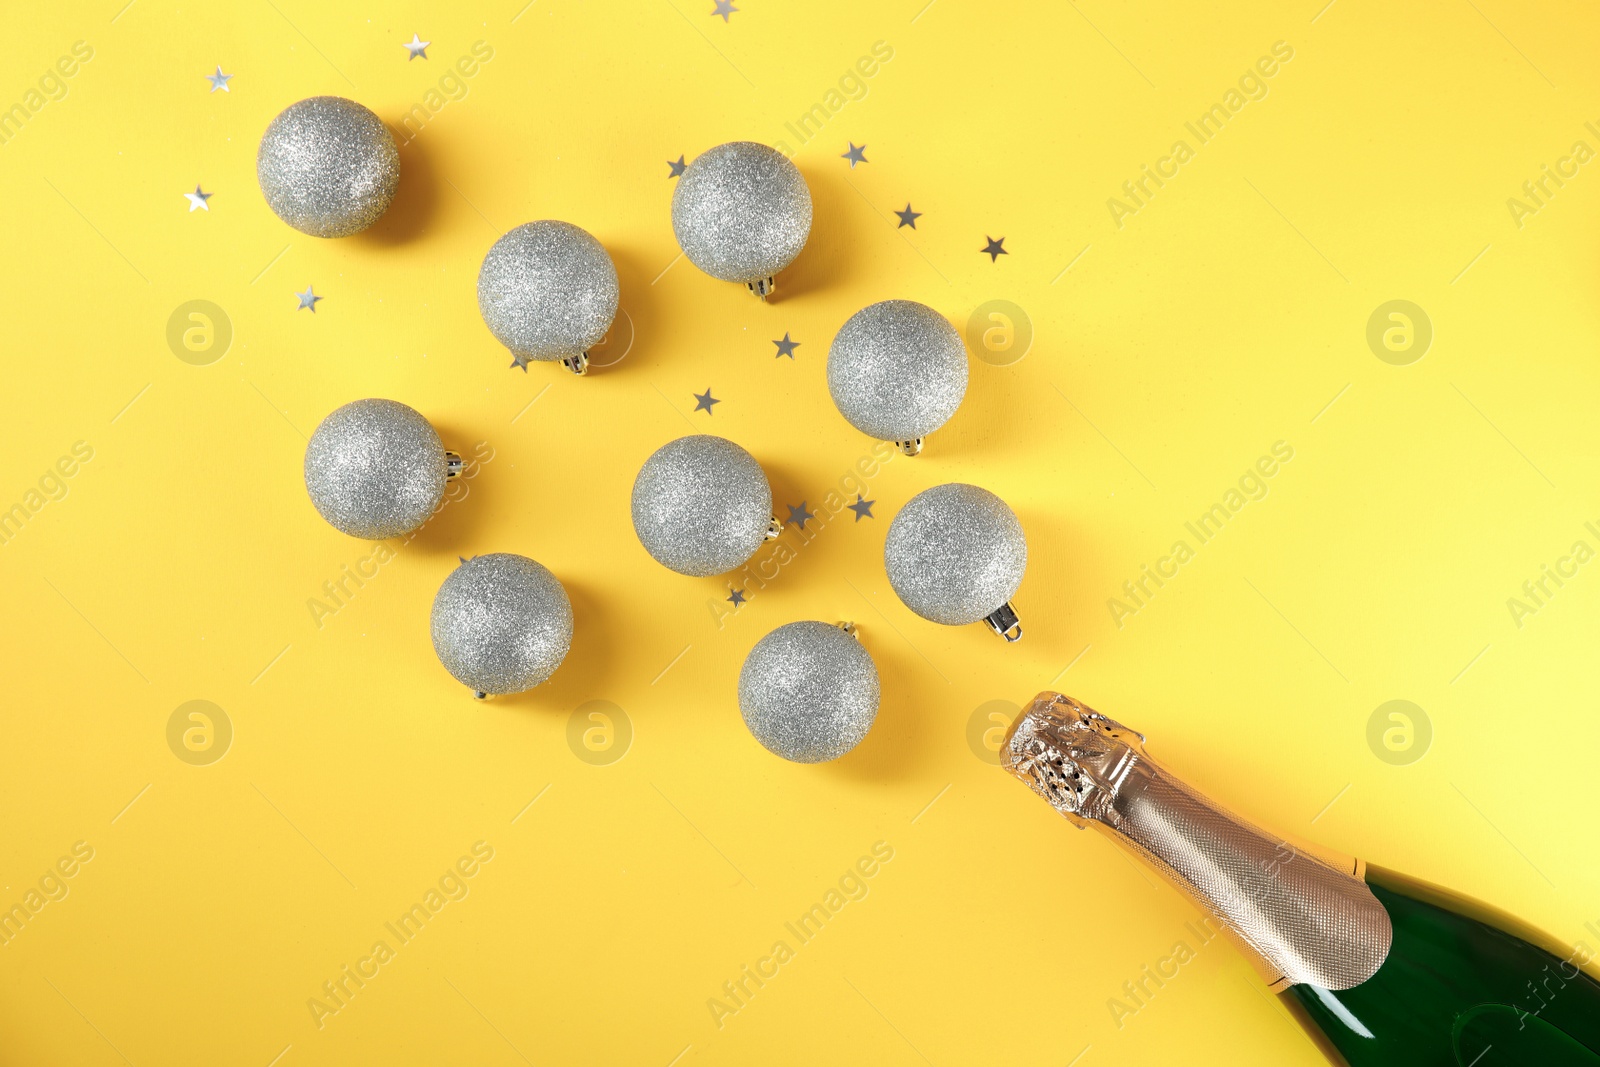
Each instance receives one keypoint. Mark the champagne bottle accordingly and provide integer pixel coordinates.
(1380, 969)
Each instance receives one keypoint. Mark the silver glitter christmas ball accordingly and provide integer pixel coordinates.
(701, 505)
(375, 469)
(955, 553)
(809, 692)
(501, 623)
(547, 290)
(328, 166)
(741, 211)
(897, 370)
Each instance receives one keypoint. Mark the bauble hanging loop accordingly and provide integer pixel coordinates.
(897, 371)
(742, 213)
(328, 166)
(375, 469)
(809, 691)
(501, 623)
(702, 506)
(956, 554)
(548, 291)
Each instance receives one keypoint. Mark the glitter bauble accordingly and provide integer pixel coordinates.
(701, 505)
(809, 691)
(501, 624)
(897, 371)
(376, 469)
(328, 166)
(547, 291)
(742, 213)
(955, 554)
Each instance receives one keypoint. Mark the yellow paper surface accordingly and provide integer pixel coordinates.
(1178, 336)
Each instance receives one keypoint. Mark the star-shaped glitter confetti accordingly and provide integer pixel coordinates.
(678, 167)
(703, 401)
(908, 217)
(724, 8)
(856, 154)
(219, 80)
(417, 47)
(197, 200)
(862, 508)
(799, 515)
(736, 597)
(308, 300)
(519, 359)
(994, 249)
(786, 347)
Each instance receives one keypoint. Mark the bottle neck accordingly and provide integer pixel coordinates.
(1300, 917)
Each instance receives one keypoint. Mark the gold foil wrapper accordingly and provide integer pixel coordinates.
(1301, 918)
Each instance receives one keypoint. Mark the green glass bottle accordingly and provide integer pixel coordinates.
(1380, 969)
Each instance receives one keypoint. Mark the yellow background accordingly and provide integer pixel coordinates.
(1227, 314)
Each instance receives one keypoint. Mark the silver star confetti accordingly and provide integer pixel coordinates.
(862, 508)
